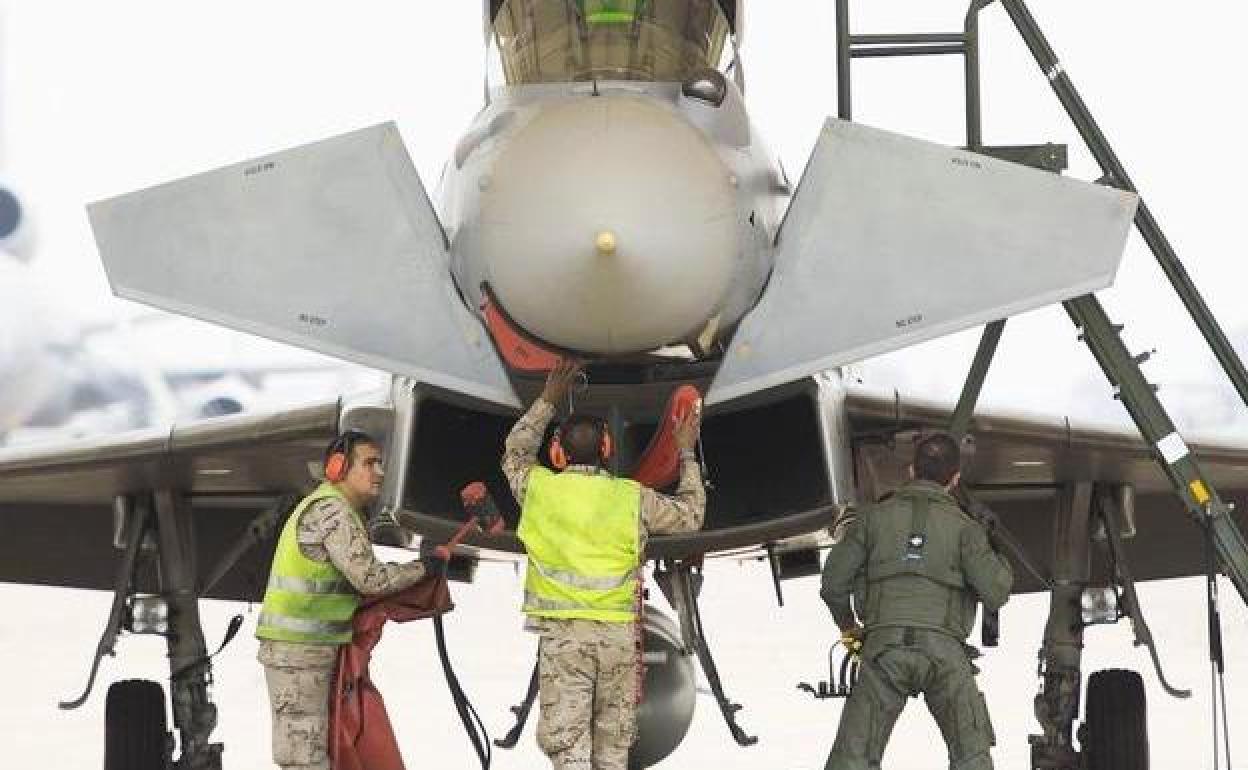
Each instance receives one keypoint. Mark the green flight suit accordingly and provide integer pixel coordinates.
(916, 567)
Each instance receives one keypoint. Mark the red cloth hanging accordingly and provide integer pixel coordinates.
(360, 734)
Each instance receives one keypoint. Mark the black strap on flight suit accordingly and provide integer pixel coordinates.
(920, 505)
(914, 561)
(473, 725)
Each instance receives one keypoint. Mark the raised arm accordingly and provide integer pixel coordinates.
(684, 511)
(525, 439)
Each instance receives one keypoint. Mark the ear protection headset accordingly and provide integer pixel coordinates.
(338, 454)
(559, 456)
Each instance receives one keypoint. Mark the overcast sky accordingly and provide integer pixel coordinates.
(103, 98)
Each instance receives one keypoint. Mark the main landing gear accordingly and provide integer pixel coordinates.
(156, 535)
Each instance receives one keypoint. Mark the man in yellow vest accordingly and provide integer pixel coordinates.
(323, 563)
(584, 531)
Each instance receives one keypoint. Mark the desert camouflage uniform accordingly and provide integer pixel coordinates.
(588, 669)
(299, 674)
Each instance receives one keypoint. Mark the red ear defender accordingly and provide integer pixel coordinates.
(558, 457)
(336, 467)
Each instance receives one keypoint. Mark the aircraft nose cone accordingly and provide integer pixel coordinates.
(609, 225)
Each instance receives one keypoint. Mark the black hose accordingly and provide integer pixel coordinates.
(467, 714)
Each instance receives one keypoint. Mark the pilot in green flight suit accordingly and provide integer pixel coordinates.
(916, 566)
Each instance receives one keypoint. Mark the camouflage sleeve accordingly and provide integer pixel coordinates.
(682, 512)
(347, 544)
(523, 442)
(844, 563)
(987, 572)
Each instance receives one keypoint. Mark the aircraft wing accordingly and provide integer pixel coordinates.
(1018, 461)
(56, 503)
(890, 241)
(332, 246)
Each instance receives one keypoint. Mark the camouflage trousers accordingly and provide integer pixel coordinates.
(588, 694)
(299, 678)
(898, 663)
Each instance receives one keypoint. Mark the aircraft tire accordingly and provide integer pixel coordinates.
(1115, 734)
(135, 735)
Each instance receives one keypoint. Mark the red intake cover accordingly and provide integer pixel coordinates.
(659, 465)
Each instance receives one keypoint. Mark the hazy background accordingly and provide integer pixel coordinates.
(103, 98)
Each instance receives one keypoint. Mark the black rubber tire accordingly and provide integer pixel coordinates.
(135, 735)
(1115, 734)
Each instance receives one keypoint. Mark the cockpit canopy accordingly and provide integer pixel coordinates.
(550, 41)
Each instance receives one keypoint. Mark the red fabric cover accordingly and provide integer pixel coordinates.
(659, 465)
(360, 734)
(520, 351)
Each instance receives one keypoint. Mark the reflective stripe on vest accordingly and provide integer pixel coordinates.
(534, 605)
(581, 581)
(306, 600)
(302, 586)
(582, 534)
(303, 625)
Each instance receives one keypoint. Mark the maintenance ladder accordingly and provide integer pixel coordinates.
(1078, 504)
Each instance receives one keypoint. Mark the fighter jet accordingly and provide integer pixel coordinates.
(614, 202)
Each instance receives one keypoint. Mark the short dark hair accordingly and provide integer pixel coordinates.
(346, 442)
(581, 437)
(937, 458)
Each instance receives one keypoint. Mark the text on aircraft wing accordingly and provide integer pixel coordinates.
(890, 241)
(332, 246)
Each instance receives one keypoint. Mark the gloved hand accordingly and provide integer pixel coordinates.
(852, 639)
(432, 558)
(997, 542)
(992, 526)
(480, 503)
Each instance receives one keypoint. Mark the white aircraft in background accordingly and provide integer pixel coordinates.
(50, 385)
(64, 378)
(612, 201)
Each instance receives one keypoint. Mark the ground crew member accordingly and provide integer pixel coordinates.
(920, 566)
(323, 563)
(585, 532)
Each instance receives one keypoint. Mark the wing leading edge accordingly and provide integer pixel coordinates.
(890, 241)
(332, 246)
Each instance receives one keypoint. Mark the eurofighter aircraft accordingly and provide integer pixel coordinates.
(613, 202)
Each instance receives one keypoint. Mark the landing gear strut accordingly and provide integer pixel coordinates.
(157, 529)
(194, 714)
(1057, 704)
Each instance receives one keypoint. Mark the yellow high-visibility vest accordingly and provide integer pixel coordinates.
(583, 537)
(306, 600)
